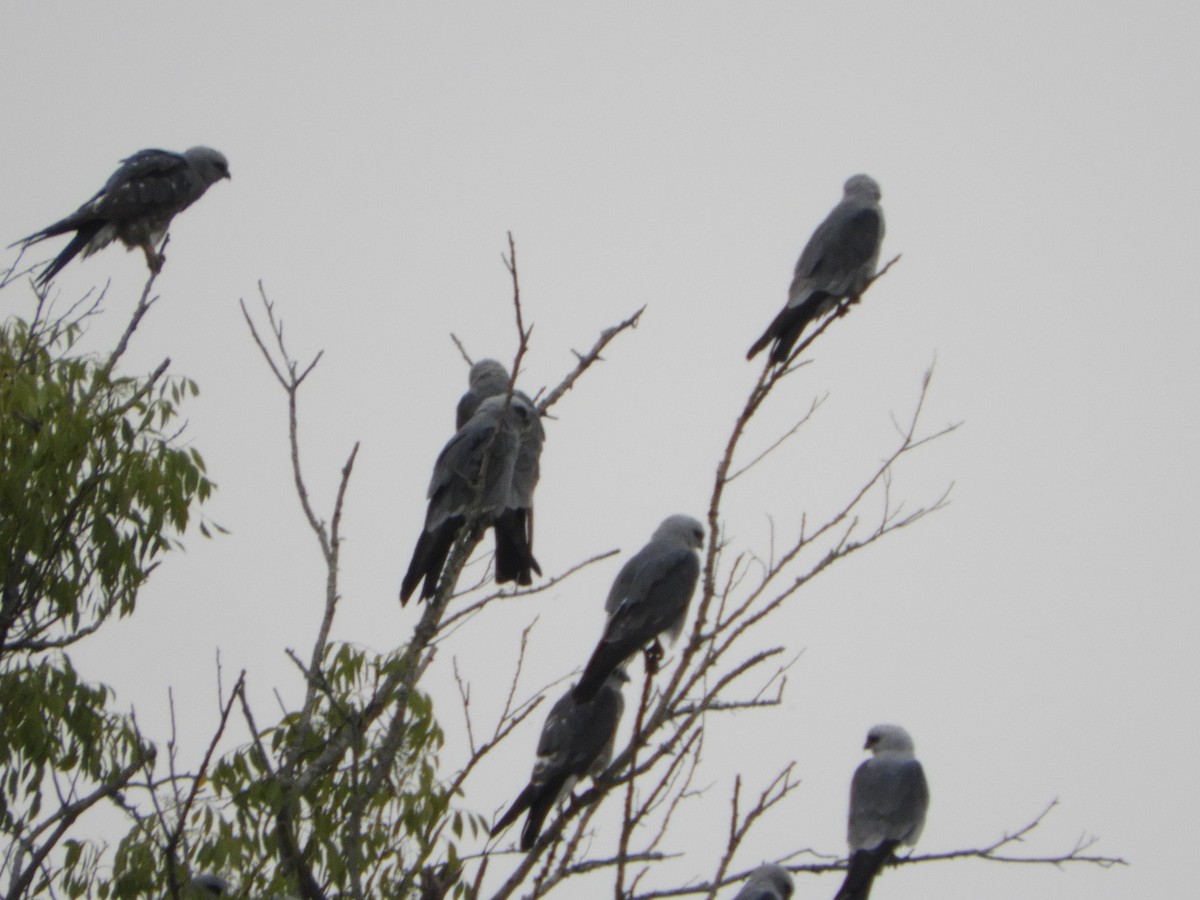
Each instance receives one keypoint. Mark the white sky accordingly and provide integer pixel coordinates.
(1038, 165)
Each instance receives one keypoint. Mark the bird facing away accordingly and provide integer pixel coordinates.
(767, 882)
(838, 261)
(888, 801)
(136, 205)
(514, 524)
(577, 740)
(650, 597)
(472, 477)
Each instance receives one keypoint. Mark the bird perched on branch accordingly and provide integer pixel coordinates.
(514, 524)
(767, 882)
(650, 597)
(888, 801)
(472, 479)
(136, 205)
(577, 740)
(837, 262)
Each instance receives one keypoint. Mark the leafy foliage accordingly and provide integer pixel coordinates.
(93, 491)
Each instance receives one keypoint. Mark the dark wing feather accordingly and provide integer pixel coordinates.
(660, 585)
(846, 243)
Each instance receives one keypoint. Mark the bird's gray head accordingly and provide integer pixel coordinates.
(487, 371)
(862, 186)
(208, 886)
(618, 677)
(211, 165)
(681, 530)
(777, 877)
(888, 739)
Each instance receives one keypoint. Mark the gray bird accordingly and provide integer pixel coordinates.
(473, 474)
(206, 886)
(650, 597)
(487, 378)
(577, 740)
(888, 801)
(514, 524)
(767, 882)
(837, 262)
(136, 205)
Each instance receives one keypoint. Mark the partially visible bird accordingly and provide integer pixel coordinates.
(473, 477)
(838, 261)
(767, 882)
(487, 378)
(206, 886)
(888, 801)
(650, 597)
(577, 740)
(514, 524)
(135, 205)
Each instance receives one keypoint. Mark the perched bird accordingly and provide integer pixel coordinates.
(650, 597)
(473, 475)
(514, 558)
(888, 802)
(206, 886)
(837, 262)
(136, 205)
(767, 882)
(577, 740)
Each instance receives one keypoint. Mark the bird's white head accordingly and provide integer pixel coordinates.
(888, 739)
(682, 530)
(862, 186)
(211, 165)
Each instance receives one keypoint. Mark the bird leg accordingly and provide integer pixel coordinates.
(654, 656)
(153, 260)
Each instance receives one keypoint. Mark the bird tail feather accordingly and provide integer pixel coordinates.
(605, 658)
(514, 556)
(428, 558)
(522, 803)
(864, 866)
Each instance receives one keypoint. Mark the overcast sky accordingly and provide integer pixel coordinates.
(1038, 167)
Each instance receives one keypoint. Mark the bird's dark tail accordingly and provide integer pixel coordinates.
(428, 558)
(787, 327)
(539, 800)
(605, 658)
(538, 811)
(514, 556)
(522, 803)
(81, 239)
(864, 866)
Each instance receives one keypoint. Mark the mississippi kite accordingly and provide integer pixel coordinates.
(136, 205)
(206, 886)
(514, 524)
(650, 597)
(767, 882)
(837, 262)
(888, 801)
(577, 740)
(473, 475)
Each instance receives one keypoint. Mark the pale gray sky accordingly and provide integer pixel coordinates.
(1038, 166)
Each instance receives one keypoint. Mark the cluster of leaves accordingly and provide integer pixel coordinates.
(279, 809)
(93, 491)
